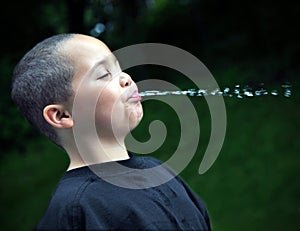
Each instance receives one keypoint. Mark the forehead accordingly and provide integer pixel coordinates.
(85, 52)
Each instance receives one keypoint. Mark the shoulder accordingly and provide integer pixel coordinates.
(64, 209)
(151, 161)
(69, 191)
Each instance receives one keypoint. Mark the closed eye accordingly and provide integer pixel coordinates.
(104, 76)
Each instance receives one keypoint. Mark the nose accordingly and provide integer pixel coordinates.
(125, 80)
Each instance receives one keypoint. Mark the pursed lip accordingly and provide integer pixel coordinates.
(135, 96)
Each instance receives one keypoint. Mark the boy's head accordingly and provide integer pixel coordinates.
(47, 79)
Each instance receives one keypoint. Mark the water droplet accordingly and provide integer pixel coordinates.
(191, 92)
(287, 89)
(248, 93)
(216, 92)
(226, 90)
(274, 92)
(287, 93)
(202, 92)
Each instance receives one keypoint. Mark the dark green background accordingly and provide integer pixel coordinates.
(253, 185)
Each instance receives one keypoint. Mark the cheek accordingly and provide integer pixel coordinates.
(106, 107)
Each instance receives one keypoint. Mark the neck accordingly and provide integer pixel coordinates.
(88, 153)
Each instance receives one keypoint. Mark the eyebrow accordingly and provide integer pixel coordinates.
(97, 64)
(100, 62)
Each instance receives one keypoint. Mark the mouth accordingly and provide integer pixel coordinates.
(135, 96)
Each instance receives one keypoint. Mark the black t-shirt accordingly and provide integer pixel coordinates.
(84, 200)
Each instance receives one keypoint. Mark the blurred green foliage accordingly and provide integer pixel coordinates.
(253, 184)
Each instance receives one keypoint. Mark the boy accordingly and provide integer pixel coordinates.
(55, 86)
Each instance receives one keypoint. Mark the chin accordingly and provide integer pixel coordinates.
(135, 119)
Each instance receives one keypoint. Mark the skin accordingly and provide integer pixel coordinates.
(104, 108)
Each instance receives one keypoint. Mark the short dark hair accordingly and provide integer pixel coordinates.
(42, 77)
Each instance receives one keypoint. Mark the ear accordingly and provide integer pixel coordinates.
(58, 116)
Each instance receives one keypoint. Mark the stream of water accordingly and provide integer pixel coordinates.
(236, 91)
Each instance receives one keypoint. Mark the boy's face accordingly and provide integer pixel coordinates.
(101, 87)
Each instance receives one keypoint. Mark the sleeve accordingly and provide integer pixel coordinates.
(85, 216)
(90, 211)
(68, 218)
(93, 210)
(64, 211)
